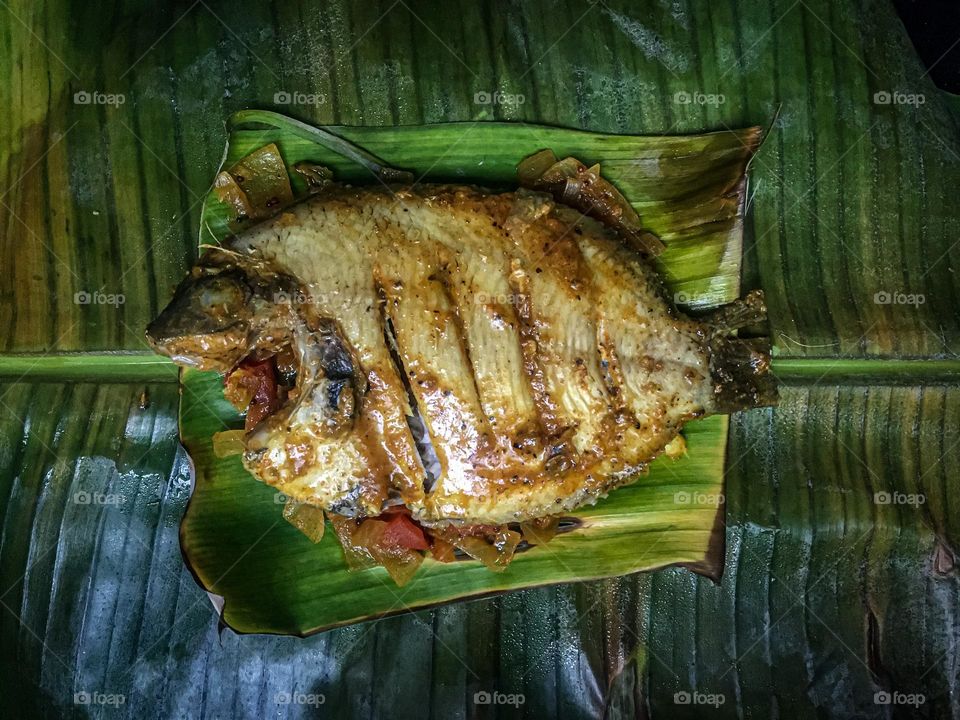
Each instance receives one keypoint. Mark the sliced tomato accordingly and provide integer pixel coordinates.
(258, 382)
(403, 532)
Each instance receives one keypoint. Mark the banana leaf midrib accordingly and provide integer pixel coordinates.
(149, 367)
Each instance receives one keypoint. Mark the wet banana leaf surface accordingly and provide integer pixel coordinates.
(839, 595)
(106, 604)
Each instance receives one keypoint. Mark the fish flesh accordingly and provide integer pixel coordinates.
(478, 357)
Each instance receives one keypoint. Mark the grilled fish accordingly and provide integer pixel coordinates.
(536, 348)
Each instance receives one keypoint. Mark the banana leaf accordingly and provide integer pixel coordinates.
(689, 190)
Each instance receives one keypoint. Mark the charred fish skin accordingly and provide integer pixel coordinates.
(541, 351)
(224, 309)
(207, 322)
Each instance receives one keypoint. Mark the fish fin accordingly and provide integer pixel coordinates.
(740, 367)
(751, 309)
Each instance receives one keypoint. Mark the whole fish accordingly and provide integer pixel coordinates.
(478, 357)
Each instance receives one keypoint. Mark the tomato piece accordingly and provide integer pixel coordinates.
(254, 383)
(264, 399)
(403, 532)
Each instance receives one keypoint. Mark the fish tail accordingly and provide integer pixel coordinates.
(740, 367)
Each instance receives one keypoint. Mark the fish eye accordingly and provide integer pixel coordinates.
(220, 297)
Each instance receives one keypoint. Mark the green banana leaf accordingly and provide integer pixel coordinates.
(272, 579)
(830, 602)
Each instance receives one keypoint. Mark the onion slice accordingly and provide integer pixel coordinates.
(540, 531)
(308, 519)
(228, 443)
(572, 183)
(495, 553)
(364, 547)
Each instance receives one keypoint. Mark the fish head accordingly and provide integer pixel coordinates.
(210, 322)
